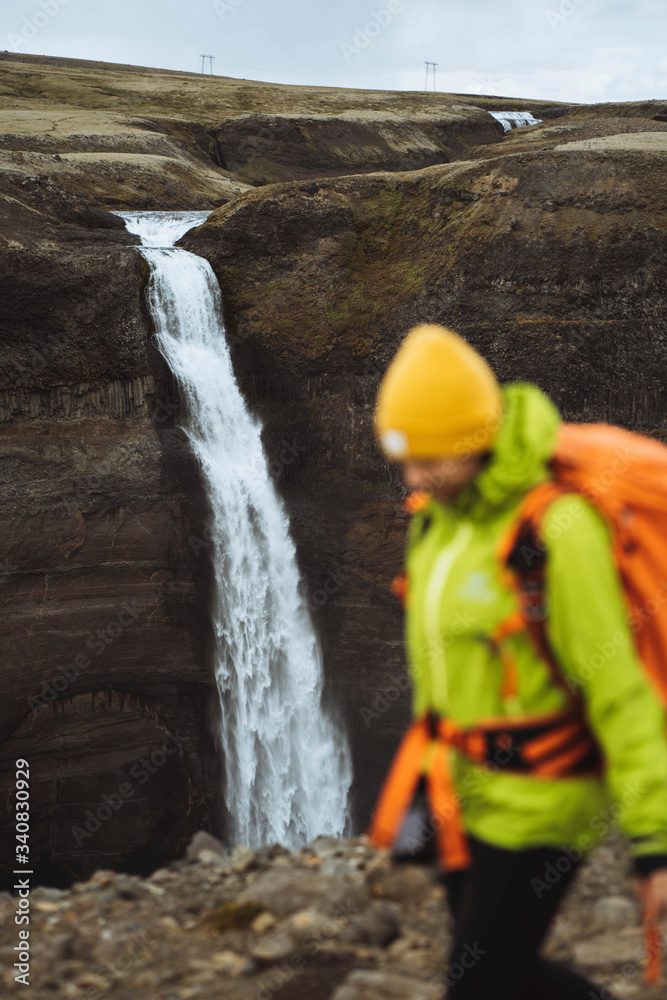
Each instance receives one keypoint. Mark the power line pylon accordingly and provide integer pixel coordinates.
(210, 63)
(430, 67)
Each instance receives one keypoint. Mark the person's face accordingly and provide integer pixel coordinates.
(443, 476)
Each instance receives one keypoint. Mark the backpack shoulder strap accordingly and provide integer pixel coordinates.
(522, 555)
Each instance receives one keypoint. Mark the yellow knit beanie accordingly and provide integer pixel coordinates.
(437, 397)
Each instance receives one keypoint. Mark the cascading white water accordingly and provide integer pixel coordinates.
(515, 119)
(287, 762)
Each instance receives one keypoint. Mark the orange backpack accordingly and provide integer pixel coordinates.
(624, 475)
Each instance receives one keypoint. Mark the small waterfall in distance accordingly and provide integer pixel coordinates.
(515, 119)
(287, 762)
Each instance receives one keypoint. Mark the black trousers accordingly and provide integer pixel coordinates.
(502, 907)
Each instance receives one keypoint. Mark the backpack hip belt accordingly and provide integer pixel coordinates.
(558, 745)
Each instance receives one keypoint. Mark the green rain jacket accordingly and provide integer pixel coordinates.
(456, 597)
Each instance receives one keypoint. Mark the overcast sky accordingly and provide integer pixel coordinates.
(570, 50)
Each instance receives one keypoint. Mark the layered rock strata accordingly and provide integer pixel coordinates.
(104, 626)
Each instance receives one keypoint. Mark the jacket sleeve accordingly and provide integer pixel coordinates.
(587, 624)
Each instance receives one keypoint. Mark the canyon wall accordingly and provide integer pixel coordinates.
(552, 263)
(546, 248)
(105, 631)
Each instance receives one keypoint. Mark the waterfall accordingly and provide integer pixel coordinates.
(287, 764)
(515, 119)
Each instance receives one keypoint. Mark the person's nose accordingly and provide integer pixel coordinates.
(413, 476)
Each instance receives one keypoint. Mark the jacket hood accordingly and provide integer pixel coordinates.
(523, 446)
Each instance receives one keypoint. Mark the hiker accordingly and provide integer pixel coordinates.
(536, 727)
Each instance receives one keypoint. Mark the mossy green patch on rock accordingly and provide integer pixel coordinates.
(144, 271)
(234, 916)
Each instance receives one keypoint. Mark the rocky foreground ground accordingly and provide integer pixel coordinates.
(333, 921)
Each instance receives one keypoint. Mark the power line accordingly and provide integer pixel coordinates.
(210, 63)
(308, 72)
(601, 95)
